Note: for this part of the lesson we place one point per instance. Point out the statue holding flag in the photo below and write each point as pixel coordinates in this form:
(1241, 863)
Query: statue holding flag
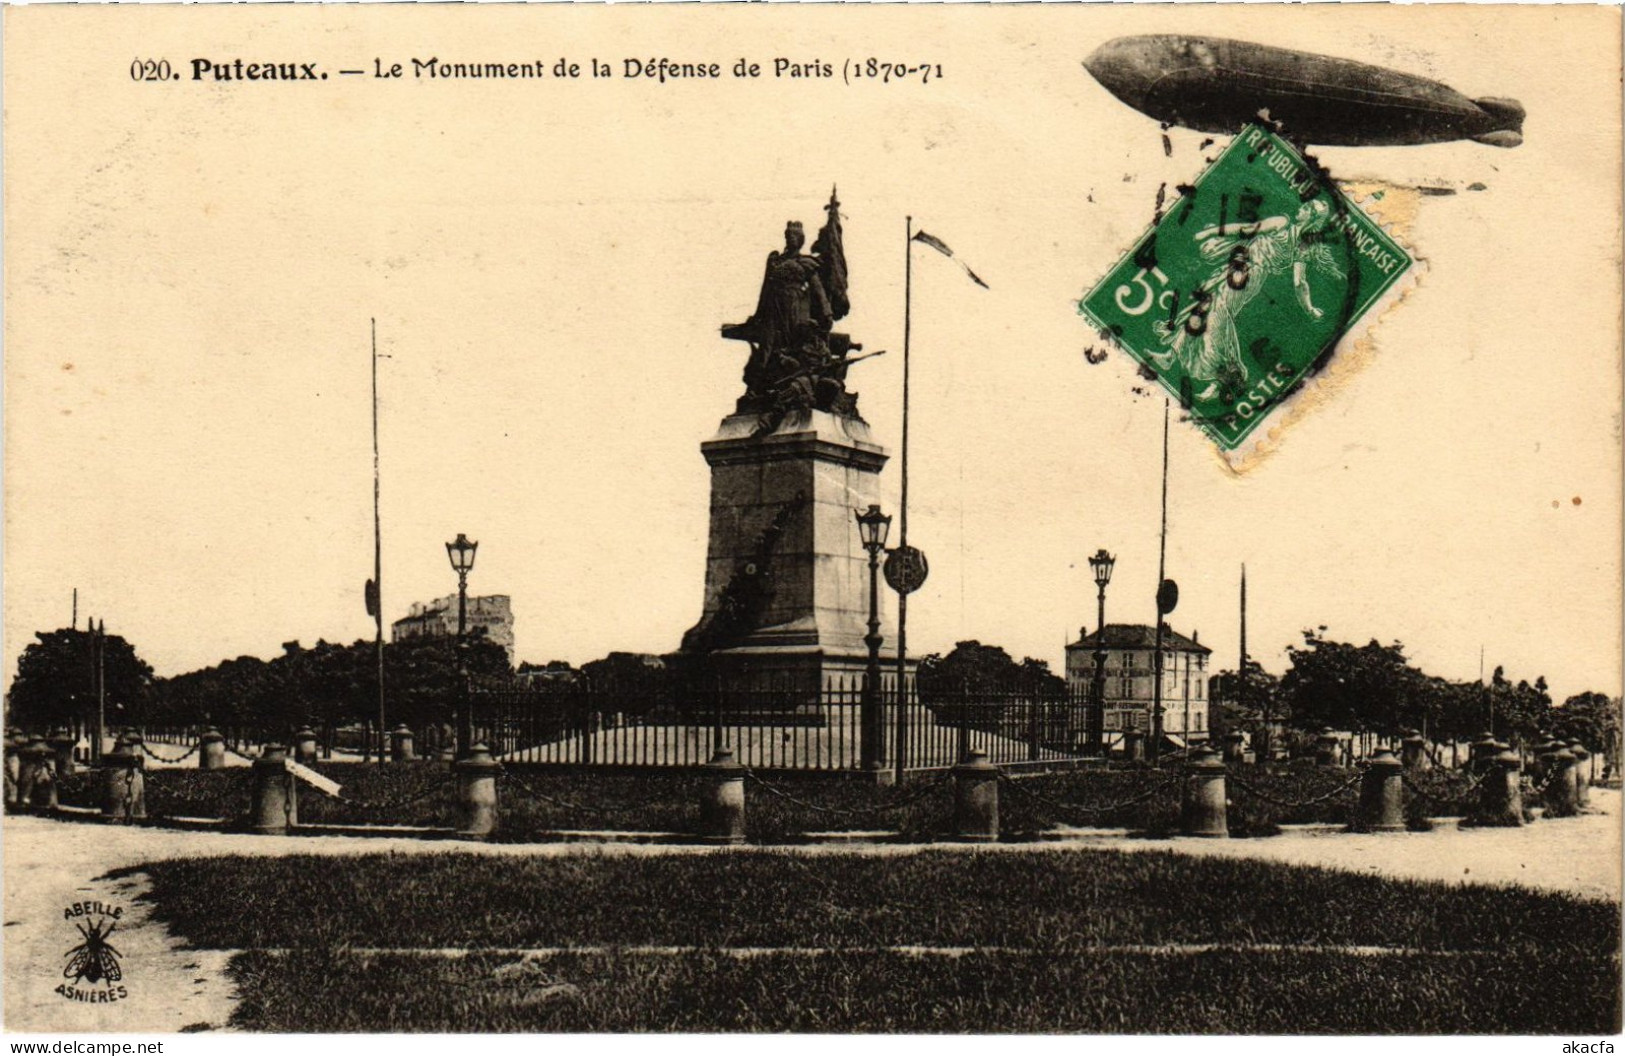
(796, 360)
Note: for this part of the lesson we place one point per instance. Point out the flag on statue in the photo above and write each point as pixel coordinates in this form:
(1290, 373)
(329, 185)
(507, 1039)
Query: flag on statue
(830, 250)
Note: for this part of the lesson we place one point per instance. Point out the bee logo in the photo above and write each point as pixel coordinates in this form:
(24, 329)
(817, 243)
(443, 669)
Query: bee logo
(95, 960)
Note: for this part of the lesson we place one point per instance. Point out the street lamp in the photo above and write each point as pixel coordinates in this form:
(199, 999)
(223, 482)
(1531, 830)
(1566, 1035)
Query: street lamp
(461, 552)
(1101, 563)
(873, 527)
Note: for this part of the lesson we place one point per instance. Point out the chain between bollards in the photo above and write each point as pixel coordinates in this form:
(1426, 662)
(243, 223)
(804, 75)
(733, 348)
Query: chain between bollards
(1310, 802)
(555, 801)
(1454, 799)
(1172, 779)
(167, 761)
(920, 793)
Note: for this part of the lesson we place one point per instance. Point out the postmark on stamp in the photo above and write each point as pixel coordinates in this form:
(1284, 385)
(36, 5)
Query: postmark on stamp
(1247, 285)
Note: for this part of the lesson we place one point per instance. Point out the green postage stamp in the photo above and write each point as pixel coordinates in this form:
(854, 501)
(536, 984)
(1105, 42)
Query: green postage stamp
(1247, 284)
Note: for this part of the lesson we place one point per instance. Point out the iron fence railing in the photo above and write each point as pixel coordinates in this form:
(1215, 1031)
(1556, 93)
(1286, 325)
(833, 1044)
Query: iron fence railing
(771, 725)
(782, 727)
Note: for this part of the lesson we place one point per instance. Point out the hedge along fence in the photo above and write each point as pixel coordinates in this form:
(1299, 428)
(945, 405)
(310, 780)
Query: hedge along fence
(534, 803)
(544, 803)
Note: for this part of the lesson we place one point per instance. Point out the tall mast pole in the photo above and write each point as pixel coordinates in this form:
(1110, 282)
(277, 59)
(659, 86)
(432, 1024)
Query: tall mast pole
(1162, 556)
(100, 647)
(96, 737)
(76, 611)
(1241, 668)
(902, 518)
(377, 555)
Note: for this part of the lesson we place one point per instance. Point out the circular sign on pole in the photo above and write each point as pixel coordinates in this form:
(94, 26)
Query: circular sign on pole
(905, 569)
(1167, 596)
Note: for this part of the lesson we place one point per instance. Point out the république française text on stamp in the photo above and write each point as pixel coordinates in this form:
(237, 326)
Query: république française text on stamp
(1247, 285)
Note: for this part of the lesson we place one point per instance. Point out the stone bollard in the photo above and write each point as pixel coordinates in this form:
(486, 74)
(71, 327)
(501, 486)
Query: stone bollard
(722, 800)
(1328, 750)
(476, 793)
(62, 744)
(1559, 796)
(211, 750)
(37, 784)
(14, 766)
(1232, 748)
(1582, 786)
(304, 746)
(1539, 757)
(1382, 803)
(1202, 811)
(1134, 746)
(1500, 797)
(1413, 751)
(401, 745)
(276, 797)
(976, 798)
(124, 787)
(30, 753)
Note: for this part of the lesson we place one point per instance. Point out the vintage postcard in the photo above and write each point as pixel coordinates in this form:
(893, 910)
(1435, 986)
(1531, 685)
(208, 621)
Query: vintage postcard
(705, 519)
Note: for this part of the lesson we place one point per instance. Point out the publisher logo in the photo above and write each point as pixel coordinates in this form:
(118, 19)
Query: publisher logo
(93, 973)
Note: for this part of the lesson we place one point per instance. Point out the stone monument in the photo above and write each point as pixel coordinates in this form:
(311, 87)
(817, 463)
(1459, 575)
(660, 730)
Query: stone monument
(786, 578)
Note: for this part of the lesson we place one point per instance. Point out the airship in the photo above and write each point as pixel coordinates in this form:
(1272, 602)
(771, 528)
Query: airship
(1215, 85)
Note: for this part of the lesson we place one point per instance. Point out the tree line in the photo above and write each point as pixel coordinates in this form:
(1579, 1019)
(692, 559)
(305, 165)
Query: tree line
(1368, 689)
(1374, 688)
(327, 684)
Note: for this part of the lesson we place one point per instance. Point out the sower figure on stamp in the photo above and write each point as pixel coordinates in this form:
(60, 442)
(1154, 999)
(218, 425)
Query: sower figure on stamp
(1201, 337)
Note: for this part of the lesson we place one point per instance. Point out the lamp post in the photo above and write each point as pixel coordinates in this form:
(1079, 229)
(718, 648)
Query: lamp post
(461, 553)
(1101, 563)
(873, 526)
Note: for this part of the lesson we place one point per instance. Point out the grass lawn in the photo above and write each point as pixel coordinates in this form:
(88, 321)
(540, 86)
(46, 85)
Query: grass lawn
(983, 993)
(1062, 940)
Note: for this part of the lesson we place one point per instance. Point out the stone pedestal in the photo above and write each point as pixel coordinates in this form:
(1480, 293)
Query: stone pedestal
(124, 788)
(722, 800)
(1382, 803)
(276, 803)
(211, 750)
(786, 578)
(62, 743)
(1204, 807)
(976, 799)
(477, 793)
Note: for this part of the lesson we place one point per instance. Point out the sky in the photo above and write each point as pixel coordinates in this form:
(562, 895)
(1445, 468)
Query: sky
(192, 270)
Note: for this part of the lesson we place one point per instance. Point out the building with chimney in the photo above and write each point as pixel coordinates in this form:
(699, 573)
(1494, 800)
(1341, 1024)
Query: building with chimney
(1130, 679)
(438, 619)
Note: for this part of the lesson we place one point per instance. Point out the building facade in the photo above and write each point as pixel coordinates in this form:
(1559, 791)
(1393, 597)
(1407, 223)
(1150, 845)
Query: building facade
(1131, 679)
(438, 619)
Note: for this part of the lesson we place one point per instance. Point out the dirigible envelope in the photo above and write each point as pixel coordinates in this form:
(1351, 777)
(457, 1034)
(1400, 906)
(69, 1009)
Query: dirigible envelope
(1214, 85)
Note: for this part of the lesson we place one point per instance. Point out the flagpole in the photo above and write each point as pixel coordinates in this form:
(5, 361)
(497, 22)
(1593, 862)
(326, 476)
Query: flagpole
(99, 651)
(1241, 687)
(377, 557)
(902, 518)
(1162, 556)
